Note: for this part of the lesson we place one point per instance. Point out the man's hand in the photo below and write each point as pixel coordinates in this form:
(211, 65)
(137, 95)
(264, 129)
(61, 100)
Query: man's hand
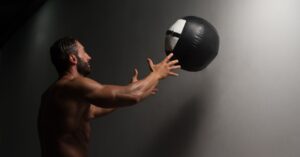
(135, 79)
(165, 67)
(96, 111)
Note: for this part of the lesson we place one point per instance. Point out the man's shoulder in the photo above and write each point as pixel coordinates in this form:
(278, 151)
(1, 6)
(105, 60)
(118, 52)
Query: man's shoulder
(79, 83)
(81, 80)
(60, 85)
(68, 82)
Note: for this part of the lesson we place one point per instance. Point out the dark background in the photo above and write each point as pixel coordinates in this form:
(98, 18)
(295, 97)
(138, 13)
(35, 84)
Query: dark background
(244, 104)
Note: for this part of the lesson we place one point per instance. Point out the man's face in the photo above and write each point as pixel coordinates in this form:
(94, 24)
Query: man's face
(83, 65)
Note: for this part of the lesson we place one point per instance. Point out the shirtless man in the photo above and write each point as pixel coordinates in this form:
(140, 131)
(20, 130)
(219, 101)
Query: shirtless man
(72, 101)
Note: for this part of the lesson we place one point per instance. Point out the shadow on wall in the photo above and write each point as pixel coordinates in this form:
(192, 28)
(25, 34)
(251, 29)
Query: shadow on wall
(178, 135)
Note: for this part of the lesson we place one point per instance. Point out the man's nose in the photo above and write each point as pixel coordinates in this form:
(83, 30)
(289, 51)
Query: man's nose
(89, 57)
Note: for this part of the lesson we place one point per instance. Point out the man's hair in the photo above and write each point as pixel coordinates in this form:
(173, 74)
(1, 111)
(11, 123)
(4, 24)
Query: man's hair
(60, 52)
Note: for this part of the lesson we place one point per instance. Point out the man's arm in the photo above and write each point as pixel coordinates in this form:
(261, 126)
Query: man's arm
(110, 96)
(95, 111)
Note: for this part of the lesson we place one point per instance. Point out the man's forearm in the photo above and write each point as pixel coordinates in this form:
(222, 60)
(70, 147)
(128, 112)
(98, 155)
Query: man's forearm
(144, 87)
(121, 96)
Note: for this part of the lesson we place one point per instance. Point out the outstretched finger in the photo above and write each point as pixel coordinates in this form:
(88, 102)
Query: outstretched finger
(173, 73)
(168, 57)
(154, 91)
(173, 62)
(175, 67)
(135, 76)
(136, 71)
(150, 63)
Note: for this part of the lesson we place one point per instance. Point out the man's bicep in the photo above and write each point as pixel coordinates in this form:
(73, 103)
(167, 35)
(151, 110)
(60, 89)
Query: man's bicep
(96, 93)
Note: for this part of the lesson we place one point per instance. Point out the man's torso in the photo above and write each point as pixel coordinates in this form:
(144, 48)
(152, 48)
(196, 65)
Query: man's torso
(63, 122)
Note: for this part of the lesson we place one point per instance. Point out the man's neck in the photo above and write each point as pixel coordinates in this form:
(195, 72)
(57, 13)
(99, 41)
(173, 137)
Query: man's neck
(71, 73)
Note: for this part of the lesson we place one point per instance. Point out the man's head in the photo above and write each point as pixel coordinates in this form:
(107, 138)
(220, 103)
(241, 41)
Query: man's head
(67, 52)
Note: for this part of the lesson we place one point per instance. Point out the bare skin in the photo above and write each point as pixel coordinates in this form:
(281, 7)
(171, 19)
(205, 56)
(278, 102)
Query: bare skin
(71, 102)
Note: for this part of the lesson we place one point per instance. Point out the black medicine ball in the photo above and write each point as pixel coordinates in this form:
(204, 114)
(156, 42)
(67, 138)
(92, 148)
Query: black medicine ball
(194, 42)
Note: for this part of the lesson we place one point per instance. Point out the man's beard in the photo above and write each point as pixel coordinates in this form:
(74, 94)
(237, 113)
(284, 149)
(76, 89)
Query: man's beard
(83, 68)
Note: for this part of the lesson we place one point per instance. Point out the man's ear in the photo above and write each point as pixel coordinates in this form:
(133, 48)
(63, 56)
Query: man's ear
(73, 59)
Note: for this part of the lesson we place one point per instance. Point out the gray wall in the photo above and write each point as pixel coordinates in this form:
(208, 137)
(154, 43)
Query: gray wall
(245, 104)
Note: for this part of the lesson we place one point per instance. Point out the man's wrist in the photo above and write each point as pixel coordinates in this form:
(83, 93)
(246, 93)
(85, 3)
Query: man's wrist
(156, 75)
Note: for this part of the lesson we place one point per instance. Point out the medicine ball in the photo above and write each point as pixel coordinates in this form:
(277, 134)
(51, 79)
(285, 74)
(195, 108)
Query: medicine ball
(194, 42)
